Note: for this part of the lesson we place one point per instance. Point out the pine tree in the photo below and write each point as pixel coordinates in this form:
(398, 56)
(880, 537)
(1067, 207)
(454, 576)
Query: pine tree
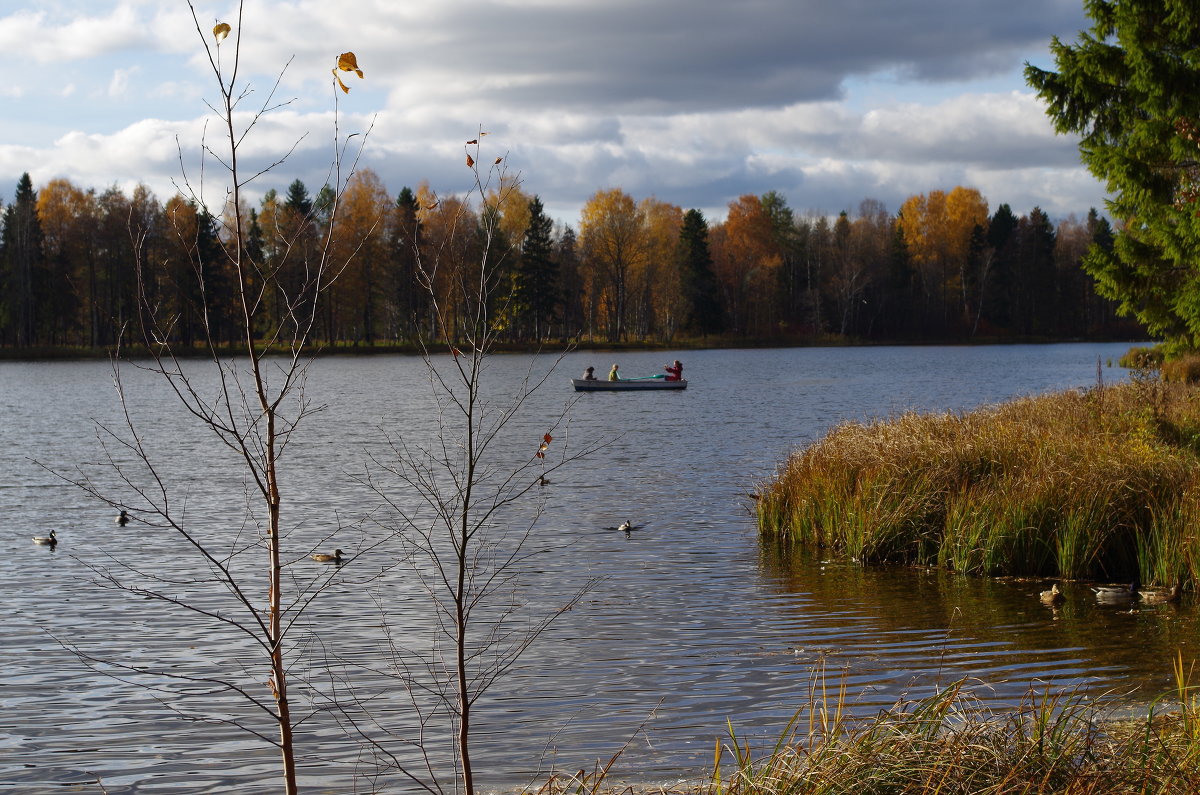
(699, 283)
(406, 231)
(22, 244)
(999, 305)
(536, 294)
(298, 199)
(1128, 87)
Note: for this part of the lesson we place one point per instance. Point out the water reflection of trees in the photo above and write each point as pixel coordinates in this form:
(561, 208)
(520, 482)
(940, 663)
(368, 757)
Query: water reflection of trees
(995, 629)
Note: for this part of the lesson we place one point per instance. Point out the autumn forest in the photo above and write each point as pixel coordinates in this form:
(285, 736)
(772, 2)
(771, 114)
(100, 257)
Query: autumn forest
(78, 267)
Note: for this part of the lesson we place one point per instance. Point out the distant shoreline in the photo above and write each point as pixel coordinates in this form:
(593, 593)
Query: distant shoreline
(68, 353)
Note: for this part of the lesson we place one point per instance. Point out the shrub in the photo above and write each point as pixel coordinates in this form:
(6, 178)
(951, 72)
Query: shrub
(1139, 358)
(1183, 369)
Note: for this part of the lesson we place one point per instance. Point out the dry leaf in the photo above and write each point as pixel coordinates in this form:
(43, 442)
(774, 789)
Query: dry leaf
(348, 63)
(541, 454)
(221, 31)
(470, 161)
(434, 205)
(345, 89)
(548, 438)
(472, 141)
(498, 159)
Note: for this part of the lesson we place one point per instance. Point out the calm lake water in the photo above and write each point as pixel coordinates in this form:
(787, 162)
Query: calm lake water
(690, 622)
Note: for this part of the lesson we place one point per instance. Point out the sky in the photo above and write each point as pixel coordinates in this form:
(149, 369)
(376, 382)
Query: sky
(692, 102)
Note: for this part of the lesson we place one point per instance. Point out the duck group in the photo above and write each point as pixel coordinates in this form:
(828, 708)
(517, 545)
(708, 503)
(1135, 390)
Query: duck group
(1120, 594)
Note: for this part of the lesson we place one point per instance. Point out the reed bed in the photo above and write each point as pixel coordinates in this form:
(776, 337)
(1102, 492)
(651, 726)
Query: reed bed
(1055, 742)
(951, 744)
(1102, 484)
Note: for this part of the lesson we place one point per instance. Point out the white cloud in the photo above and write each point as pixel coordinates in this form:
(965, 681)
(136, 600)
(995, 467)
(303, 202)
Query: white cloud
(42, 37)
(119, 84)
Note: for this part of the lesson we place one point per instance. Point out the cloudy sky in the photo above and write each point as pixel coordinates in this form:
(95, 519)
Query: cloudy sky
(694, 102)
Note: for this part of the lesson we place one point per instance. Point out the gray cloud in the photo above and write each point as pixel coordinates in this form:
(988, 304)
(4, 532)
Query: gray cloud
(692, 101)
(688, 55)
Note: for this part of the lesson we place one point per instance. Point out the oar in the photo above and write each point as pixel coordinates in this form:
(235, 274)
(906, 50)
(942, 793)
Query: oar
(644, 378)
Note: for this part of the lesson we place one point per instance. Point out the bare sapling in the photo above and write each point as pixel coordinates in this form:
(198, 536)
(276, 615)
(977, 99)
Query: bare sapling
(465, 498)
(233, 572)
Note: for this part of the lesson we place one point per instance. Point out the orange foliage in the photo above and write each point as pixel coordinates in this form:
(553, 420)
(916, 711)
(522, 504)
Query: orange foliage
(746, 261)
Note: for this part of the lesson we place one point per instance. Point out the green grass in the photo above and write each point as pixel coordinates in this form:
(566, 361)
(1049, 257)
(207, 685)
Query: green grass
(1097, 485)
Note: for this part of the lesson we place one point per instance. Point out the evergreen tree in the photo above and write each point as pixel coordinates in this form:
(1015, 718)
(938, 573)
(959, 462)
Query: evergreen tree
(899, 320)
(22, 241)
(1128, 87)
(787, 240)
(570, 282)
(536, 293)
(998, 308)
(699, 282)
(298, 199)
(1035, 299)
(406, 290)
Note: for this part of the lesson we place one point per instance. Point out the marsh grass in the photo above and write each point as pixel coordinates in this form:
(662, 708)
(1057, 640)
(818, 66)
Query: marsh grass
(950, 743)
(1103, 484)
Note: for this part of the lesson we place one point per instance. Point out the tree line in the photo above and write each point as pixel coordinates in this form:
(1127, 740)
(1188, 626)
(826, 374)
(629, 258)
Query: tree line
(73, 263)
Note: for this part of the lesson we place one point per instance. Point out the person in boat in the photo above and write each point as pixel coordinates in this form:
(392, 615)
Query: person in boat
(589, 374)
(674, 371)
(613, 375)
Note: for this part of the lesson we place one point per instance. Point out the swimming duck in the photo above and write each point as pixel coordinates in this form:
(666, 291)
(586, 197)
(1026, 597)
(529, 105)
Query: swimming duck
(1163, 597)
(122, 519)
(46, 541)
(1118, 595)
(1053, 596)
(324, 557)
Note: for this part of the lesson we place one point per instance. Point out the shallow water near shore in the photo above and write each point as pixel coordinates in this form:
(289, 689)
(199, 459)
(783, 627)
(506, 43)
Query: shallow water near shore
(690, 621)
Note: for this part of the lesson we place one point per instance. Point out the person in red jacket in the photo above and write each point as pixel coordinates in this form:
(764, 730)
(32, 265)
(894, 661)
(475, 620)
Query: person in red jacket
(674, 371)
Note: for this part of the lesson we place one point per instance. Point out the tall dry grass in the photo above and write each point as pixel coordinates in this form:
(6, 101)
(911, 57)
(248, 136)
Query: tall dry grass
(951, 744)
(1103, 484)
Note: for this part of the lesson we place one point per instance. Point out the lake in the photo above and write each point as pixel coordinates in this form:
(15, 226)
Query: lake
(689, 622)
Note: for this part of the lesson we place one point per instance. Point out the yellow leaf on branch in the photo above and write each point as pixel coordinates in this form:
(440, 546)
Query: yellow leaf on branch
(348, 63)
(221, 31)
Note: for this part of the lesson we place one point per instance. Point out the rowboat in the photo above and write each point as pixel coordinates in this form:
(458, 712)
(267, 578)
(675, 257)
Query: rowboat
(627, 384)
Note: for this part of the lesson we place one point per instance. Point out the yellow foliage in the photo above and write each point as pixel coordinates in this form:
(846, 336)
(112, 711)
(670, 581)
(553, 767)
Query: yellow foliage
(346, 62)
